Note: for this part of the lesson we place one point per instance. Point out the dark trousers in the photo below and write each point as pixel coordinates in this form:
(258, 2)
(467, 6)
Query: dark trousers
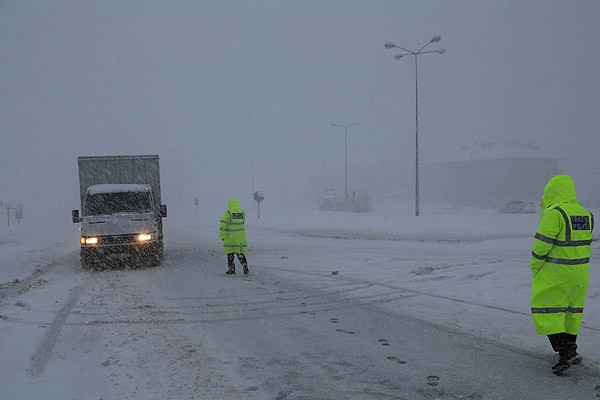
(241, 257)
(563, 343)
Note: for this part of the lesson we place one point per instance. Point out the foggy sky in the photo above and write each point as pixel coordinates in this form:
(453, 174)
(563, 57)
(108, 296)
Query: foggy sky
(212, 82)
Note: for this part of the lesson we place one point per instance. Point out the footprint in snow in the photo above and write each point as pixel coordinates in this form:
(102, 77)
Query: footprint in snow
(396, 359)
(345, 331)
(433, 380)
(334, 320)
(384, 342)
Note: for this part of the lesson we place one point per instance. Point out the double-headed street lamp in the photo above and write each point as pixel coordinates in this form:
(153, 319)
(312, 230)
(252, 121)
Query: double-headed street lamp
(345, 158)
(389, 45)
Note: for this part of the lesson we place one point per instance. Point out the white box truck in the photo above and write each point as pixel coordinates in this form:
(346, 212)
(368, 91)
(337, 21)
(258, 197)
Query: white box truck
(121, 212)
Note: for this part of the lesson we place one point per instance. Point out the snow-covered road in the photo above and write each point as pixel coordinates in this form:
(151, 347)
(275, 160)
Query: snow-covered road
(322, 317)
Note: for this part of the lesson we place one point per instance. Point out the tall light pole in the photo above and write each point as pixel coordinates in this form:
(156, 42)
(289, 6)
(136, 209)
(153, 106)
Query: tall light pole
(389, 45)
(345, 158)
(179, 163)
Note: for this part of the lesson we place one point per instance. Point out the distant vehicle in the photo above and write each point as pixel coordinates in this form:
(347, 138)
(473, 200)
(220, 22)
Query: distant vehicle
(518, 207)
(328, 201)
(121, 210)
(355, 201)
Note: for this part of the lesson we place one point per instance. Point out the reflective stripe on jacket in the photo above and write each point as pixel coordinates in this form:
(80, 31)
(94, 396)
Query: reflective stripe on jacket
(232, 230)
(560, 259)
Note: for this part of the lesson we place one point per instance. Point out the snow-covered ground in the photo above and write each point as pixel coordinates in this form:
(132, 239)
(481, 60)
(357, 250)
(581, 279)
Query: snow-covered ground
(337, 306)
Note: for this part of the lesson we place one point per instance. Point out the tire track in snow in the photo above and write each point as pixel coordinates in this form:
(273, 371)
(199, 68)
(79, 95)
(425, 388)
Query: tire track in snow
(40, 358)
(426, 294)
(187, 303)
(220, 315)
(18, 287)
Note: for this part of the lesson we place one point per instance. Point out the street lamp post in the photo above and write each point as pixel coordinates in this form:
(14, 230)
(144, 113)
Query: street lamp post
(345, 158)
(389, 45)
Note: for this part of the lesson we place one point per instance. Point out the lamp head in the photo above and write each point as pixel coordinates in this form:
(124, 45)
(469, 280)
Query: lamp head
(436, 39)
(389, 45)
(398, 57)
(441, 51)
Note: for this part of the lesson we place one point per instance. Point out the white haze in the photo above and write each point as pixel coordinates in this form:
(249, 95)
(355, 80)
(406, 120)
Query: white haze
(210, 83)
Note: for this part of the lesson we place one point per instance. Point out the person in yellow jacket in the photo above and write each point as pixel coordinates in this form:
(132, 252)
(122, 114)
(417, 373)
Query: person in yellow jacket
(559, 263)
(233, 234)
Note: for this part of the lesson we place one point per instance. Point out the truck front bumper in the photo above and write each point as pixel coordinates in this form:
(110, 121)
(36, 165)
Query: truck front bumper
(120, 247)
(122, 251)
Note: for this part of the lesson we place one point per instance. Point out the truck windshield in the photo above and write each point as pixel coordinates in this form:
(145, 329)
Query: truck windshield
(117, 202)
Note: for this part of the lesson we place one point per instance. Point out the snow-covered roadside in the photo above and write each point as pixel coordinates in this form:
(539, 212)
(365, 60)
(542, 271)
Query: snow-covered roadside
(28, 247)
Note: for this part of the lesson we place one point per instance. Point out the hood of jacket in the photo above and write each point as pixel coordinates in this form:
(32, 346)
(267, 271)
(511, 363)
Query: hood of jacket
(560, 189)
(234, 204)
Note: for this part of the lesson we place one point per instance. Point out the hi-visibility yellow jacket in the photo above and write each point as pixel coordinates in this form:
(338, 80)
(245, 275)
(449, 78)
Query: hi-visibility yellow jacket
(232, 230)
(560, 259)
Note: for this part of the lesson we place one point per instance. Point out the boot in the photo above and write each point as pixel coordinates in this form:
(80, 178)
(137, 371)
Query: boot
(230, 271)
(246, 270)
(566, 361)
(575, 359)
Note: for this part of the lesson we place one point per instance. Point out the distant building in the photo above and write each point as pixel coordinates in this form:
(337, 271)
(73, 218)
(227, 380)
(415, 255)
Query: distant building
(490, 174)
(488, 183)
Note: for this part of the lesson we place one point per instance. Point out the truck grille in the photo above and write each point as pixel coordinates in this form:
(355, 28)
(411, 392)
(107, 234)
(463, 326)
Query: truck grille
(118, 239)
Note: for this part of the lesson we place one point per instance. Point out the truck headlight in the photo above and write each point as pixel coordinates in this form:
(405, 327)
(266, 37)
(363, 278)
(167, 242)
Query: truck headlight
(145, 237)
(89, 240)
